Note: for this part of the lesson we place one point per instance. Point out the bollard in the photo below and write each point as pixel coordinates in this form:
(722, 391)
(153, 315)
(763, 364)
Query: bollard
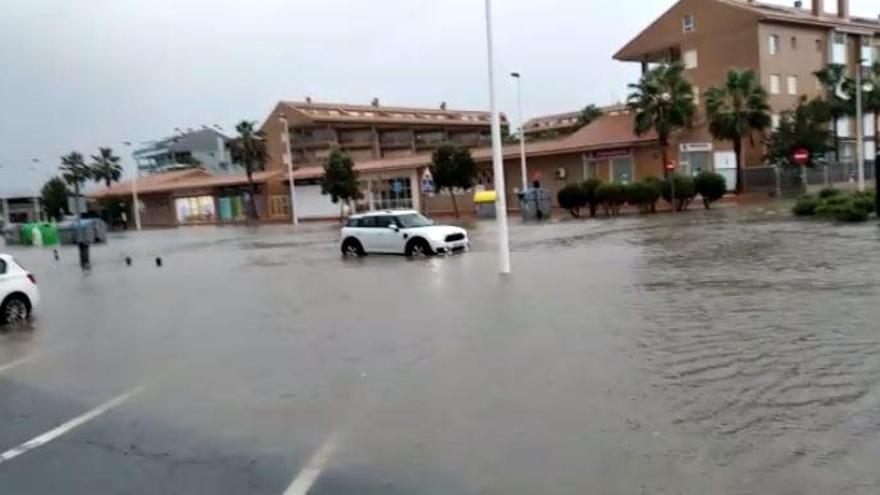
(84, 261)
(158, 261)
(55, 253)
(128, 260)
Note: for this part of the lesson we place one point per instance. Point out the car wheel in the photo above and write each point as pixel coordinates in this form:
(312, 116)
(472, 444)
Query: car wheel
(418, 248)
(352, 248)
(15, 309)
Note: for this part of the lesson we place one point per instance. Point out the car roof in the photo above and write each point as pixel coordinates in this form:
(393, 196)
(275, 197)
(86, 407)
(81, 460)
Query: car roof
(381, 213)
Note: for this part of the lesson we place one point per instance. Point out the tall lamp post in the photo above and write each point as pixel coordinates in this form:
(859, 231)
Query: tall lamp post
(135, 202)
(860, 122)
(497, 158)
(288, 162)
(522, 132)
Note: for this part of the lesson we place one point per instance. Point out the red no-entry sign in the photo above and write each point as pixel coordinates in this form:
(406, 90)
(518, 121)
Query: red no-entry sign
(801, 156)
(670, 166)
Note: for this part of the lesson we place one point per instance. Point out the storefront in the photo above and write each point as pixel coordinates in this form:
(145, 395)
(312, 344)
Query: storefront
(613, 165)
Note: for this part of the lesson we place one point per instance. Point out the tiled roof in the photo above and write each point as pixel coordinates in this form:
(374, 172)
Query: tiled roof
(563, 120)
(803, 15)
(343, 112)
(180, 180)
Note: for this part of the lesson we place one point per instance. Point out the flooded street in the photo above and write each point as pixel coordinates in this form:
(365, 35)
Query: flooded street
(735, 351)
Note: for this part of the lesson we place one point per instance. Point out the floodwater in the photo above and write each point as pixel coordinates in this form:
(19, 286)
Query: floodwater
(735, 351)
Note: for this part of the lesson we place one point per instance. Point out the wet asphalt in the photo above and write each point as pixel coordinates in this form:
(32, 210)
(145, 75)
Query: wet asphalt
(726, 352)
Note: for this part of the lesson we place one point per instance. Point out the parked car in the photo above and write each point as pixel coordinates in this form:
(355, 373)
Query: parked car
(400, 232)
(19, 295)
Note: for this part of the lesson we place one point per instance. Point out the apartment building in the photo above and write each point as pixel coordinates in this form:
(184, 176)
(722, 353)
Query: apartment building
(783, 45)
(560, 124)
(204, 147)
(366, 133)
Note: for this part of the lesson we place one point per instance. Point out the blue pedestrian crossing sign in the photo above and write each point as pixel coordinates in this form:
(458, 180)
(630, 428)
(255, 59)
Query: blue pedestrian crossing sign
(427, 182)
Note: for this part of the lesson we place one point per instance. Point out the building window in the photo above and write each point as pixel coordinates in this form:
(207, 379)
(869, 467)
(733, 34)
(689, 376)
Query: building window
(838, 52)
(775, 84)
(687, 23)
(393, 193)
(792, 85)
(690, 59)
(867, 52)
(843, 127)
(775, 120)
(622, 170)
(868, 125)
(773, 44)
(279, 206)
(794, 42)
(696, 91)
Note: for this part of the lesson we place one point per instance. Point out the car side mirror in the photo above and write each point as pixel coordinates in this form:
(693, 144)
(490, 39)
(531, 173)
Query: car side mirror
(394, 227)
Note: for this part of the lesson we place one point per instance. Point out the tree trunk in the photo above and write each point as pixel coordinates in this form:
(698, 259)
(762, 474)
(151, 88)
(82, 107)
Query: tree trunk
(665, 160)
(454, 203)
(341, 211)
(836, 143)
(252, 196)
(737, 150)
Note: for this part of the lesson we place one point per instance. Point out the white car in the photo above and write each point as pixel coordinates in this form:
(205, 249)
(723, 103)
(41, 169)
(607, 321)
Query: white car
(19, 295)
(400, 232)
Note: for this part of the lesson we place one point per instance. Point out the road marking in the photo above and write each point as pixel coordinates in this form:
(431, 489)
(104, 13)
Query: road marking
(310, 473)
(56, 432)
(18, 362)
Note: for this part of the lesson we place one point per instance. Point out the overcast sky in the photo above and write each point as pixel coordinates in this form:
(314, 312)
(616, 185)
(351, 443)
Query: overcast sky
(78, 74)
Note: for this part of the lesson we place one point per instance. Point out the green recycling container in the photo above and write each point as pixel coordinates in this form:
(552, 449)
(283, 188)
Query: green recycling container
(48, 233)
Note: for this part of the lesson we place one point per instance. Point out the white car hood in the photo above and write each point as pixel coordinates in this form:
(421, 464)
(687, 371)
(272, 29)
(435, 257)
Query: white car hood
(438, 232)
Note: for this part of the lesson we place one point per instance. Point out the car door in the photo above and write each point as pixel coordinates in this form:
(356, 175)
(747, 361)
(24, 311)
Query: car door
(366, 233)
(385, 236)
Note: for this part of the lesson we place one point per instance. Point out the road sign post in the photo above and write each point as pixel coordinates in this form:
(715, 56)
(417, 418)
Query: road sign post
(670, 168)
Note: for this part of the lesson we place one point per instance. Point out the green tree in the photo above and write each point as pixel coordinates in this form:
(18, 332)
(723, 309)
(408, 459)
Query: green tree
(710, 186)
(836, 83)
(663, 102)
(454, 168)
(54, 195)
(805, 127)
(75, 172)
(340, 180)
(588, 115)
(872, 103)
(249, 149)
(572, 197)
(590, 186)
(736, 110)
(105, 167)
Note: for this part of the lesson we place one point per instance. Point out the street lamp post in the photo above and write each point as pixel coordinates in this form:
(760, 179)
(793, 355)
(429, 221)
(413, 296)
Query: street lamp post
(522, 131)
(497, 158)
(135, 202)
(860, 133)
(288, 161)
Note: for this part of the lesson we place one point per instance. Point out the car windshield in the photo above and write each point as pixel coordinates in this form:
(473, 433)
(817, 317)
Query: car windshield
(412, 220)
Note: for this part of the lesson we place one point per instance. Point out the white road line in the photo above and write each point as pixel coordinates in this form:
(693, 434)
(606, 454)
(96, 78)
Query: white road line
(310, 473)
(18, 362)
(68, 426)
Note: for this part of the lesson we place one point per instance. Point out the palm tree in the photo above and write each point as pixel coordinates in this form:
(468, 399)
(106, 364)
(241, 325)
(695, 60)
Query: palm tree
(835, 80)
(249, 149)
(588, 115)
(105, 167)
(663, 101)
(736, 110)
(75, 172)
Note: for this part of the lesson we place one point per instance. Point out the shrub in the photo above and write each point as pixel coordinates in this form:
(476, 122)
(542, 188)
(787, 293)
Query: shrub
(572, 197)
(828, 192)
(643, 194)
(590, 186)
(684, 191)
(865, 200)
(710, 186)
(806, 206)
(657, 184)
(611, 196)
(846, 211)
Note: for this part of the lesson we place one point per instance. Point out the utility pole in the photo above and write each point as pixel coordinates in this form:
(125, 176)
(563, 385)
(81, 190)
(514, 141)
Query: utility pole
(522, 132)
(135, 203)
(288, 161)
(497, 158)
(860, 122)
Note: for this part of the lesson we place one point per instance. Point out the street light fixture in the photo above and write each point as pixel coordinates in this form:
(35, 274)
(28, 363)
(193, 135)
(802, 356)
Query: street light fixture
(497, 158)
(522, 132)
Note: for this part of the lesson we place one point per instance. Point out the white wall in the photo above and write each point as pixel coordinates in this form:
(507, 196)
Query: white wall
(310, 203)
